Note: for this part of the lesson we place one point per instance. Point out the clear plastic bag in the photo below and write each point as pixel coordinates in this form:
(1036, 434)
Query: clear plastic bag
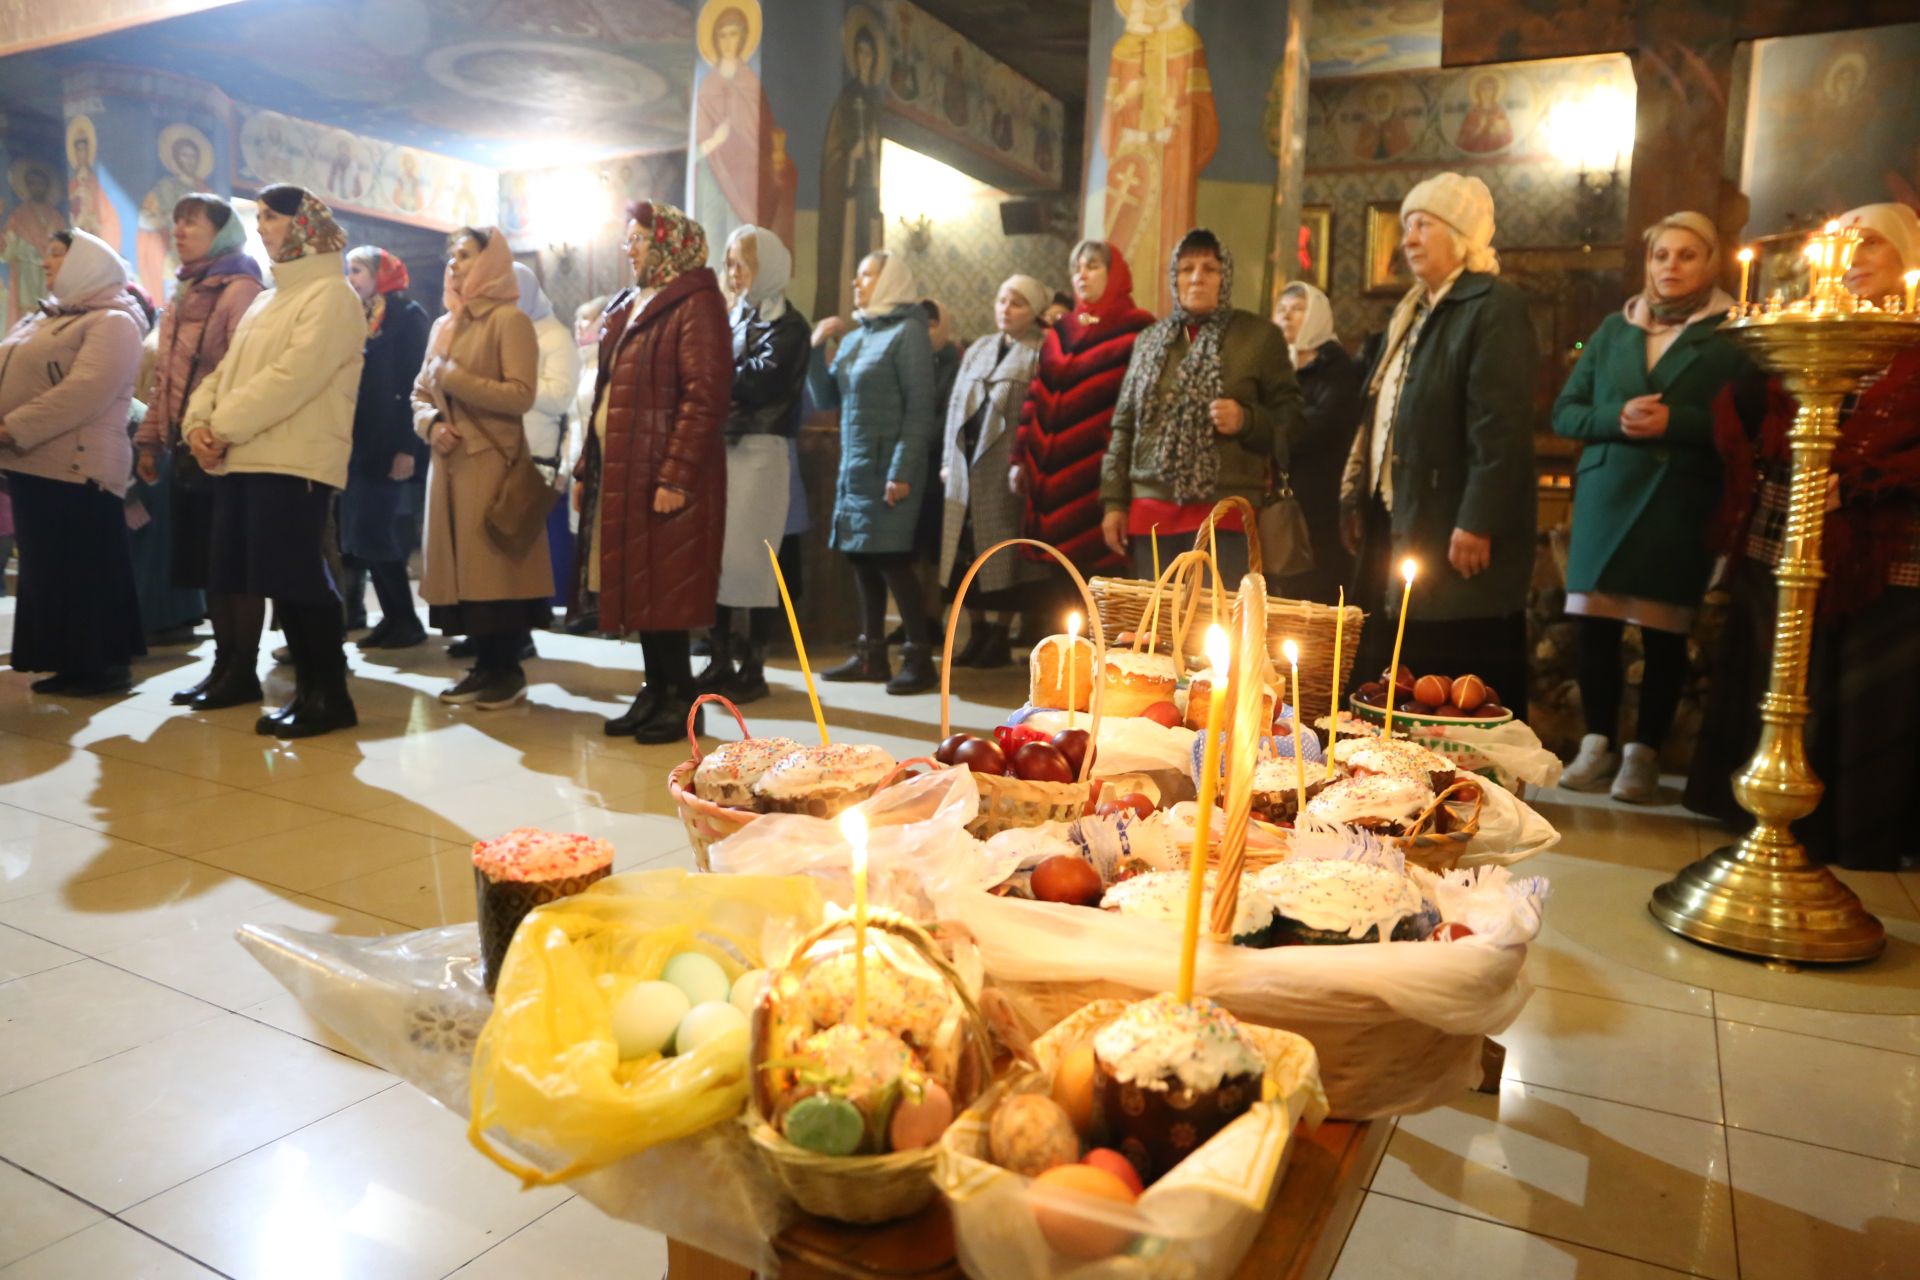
(1199, 1220)
(1513, 752)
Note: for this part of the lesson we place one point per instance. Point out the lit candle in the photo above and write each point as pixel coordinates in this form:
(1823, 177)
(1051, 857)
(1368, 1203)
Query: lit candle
(1407, 570)
(799, 645)
(853, 824)
(1746, 266)
(1155, 532)
(1074, 623)
(1292, 651)
(1913, 286)
(1333, 724)
(1218, 655)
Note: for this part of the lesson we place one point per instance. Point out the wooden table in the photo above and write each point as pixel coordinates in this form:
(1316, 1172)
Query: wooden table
(1316, 1203)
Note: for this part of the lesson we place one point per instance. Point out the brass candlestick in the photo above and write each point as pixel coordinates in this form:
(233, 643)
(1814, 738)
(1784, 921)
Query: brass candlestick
(1762, 896)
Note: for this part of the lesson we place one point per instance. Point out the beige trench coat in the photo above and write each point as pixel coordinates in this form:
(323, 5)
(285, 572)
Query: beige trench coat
(487, 388)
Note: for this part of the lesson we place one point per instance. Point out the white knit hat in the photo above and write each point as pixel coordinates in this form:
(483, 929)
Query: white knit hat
(1464, 204)
(1898, 223)
(1036, 294)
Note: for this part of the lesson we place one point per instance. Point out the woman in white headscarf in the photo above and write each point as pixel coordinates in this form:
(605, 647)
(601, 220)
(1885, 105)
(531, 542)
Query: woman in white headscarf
(66, 380)
(1317, 449)
(881, 380)
(770, 351)
(546, 422)
(983, 506)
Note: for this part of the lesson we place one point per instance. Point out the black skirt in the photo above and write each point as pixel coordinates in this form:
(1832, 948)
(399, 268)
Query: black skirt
(376, 524)
(192, 492)
(78, 612)
(1862, 735)
(269, 534)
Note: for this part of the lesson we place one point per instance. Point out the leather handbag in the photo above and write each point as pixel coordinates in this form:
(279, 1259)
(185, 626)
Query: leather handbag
(1285, 545)
(521, 505)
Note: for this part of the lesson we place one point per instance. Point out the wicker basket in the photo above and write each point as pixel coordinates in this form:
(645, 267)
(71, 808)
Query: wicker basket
(860, 1188)
(1008, 802)
(1124, 606)
(1434, 850)
(706, 822)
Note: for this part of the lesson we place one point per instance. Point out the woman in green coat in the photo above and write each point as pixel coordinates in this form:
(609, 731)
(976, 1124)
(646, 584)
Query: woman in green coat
(1641, 403)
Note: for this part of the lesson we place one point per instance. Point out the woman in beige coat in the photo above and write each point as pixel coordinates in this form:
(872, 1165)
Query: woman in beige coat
(469, 402)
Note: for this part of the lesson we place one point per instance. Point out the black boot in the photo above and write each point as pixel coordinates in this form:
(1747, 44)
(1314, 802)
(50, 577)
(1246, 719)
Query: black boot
(719, 671)
(323, 703)
(668, 723)
(222, 653)
(867, 665)
(977, 630)
(996, 650)
(237, 686)
(917, 671)
(645, 703)
(749, 682)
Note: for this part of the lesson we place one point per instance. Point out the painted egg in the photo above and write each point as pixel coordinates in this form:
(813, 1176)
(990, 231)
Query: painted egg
(920, 1124)
(828, 1125)
(701, 977)
(747, 989)
(1074, 1088)
(706, 1022)
(645, 1019)
(1031, 1134)
(1117, 1165)
(1055, 1197)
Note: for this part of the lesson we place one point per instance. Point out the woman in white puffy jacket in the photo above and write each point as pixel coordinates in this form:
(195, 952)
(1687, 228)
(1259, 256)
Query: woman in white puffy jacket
(276, 419)
(549, 421)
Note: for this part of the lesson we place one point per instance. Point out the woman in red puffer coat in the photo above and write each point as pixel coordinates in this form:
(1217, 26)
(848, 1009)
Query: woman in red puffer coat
(655, 501)
(1069, 410)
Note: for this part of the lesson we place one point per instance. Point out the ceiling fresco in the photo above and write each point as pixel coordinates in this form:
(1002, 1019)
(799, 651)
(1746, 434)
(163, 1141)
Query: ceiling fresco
(497, 82)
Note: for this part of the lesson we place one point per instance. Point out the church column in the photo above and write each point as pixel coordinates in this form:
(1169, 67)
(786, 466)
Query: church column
(136, 141)
(1682, 71)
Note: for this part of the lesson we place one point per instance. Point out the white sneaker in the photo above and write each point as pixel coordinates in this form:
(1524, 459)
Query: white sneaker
(1639, 776)
(1590, 769)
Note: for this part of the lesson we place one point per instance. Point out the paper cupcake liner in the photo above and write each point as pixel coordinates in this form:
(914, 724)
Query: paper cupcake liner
(503, 904)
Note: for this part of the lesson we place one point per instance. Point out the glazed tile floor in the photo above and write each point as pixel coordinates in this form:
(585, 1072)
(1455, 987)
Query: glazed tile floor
(165, 1111)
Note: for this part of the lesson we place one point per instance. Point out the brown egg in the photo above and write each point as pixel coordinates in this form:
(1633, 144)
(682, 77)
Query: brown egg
(1489, 711)
(1448, 709)
(1074, 1088)
(1041, 762)
(1066, 877)
(1469, 691)
(1083, 1237)
(1031, 1134)
(1431, 691)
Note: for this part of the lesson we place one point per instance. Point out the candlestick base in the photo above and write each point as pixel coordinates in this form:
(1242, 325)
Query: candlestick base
(1759, 903)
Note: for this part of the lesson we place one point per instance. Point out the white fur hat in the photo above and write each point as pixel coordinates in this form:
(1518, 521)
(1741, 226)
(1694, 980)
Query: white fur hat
(1464, 204)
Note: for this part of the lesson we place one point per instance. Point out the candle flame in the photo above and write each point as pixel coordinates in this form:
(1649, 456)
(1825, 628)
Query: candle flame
(1219, 653)
(1745, 255)
(1408, 569)
(1833, 227)
(1074, 623)
(1912, 278)
(853, 825)
(1292, 651)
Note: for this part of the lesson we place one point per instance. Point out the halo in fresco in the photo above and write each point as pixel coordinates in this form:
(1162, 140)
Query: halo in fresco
(1485, 113)
(710, 19)
(175, 134)
(17, 177)
(860, 18)
(1379, 120)
(77, 128)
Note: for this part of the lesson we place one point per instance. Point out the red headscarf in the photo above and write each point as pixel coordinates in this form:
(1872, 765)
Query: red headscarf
(1115, 304)
(389, 276)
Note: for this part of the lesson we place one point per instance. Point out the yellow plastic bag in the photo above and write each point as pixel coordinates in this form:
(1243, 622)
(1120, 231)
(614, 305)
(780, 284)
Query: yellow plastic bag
(547, 1076)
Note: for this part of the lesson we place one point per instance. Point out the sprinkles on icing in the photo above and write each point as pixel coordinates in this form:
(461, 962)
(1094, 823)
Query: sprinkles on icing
(528, 853)
(1160, 1041)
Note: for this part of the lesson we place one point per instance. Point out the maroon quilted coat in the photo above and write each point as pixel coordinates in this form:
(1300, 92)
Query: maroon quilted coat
(1068, 416)
(667, 380)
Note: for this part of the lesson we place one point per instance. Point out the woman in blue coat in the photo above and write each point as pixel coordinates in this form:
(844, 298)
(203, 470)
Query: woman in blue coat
(881, 380)
(1641, 403)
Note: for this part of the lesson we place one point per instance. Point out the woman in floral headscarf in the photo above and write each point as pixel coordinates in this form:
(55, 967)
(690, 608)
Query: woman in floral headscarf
(376, 528)
(655, 465)
(276, 419)
(469, 404)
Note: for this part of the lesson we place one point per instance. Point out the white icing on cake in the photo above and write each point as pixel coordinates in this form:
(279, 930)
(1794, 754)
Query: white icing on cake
(1159, 1041)
(1338, 896)
(818, 769)
(1379, 797)
(530, 854)
(1390, 755)
(1279, 774)
(1162, 895)
(730, 771)
(1128, 665)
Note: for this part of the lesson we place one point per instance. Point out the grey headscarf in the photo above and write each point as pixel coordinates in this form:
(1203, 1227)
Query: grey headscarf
(1179, 421)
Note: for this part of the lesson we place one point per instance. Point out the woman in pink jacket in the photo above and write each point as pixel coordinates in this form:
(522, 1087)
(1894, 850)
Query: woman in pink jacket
(218, 281)
(66, 381)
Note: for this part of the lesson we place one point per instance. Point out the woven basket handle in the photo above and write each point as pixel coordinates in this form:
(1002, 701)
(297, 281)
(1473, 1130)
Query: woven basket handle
(1183, 573)
(693, 718)
(1249, 665)
(1095, 632)
(980, 1035)
(1249, 526)
(1426, 816)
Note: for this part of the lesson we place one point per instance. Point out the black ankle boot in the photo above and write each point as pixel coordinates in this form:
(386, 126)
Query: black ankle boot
(645, 703)
(320, 702)
(668, 723)
(719, 669)
(917, 671)
(976, 641)
(237, 686)
(868, 663)
(184, 697)
(749, 683)
(996, 650)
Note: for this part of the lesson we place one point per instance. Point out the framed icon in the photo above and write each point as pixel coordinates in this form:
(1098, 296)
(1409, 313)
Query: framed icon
(1316, 246)
(1387, 271)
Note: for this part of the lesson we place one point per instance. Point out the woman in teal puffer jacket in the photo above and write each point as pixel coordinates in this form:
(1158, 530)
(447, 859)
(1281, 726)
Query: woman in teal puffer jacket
(881, 381)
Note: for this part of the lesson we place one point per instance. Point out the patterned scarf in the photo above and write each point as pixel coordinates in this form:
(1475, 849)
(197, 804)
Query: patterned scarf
(313, 231)
(1178, 421)
(681, 245)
